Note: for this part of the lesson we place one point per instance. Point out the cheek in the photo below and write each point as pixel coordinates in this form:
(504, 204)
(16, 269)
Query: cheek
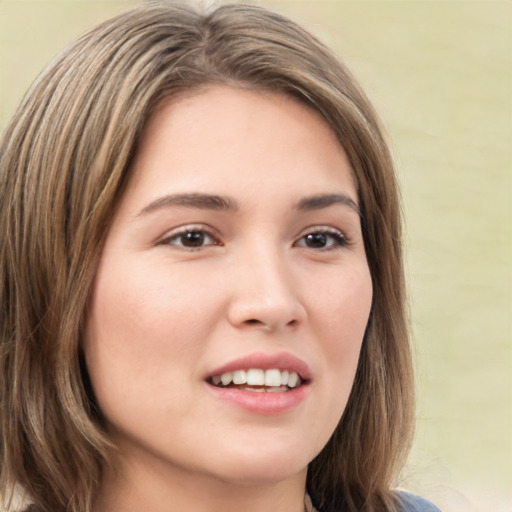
(144, 327)
(343, 315)
(343, 307)
(142, 310)
(125, 335)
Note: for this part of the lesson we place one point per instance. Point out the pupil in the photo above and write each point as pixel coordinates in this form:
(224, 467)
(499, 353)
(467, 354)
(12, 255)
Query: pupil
(193, 239)
(316, 240)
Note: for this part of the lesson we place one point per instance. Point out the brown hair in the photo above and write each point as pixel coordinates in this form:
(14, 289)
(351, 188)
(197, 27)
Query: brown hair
(64, 162)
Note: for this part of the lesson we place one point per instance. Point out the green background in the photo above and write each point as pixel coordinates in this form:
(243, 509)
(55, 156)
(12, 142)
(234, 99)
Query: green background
(440, 73)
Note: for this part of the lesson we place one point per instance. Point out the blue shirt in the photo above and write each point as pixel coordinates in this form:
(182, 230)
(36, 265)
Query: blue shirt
(409, 503)
(412, 503)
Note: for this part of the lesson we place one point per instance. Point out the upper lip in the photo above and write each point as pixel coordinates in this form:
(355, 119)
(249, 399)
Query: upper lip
(279, 361)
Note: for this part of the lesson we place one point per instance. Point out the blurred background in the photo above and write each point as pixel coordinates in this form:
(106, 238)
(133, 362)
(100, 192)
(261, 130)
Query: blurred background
(440, 74)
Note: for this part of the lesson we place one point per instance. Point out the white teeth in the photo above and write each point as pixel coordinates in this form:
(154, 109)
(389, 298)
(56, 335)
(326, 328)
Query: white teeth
(273, 379)
(293, 378)
(239, 377)
(255, 377)
(226, 378)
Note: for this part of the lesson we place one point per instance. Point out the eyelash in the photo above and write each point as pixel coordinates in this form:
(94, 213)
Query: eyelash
(200, 230)
(338, 239)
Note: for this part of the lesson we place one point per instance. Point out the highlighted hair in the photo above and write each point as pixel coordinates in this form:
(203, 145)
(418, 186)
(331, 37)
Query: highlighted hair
(64, 162)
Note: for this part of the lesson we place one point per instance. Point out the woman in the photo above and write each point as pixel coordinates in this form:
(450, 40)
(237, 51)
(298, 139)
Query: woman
(202, 302)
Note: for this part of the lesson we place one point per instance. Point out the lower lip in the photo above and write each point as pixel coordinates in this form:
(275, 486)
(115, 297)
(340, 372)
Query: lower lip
(261, 402)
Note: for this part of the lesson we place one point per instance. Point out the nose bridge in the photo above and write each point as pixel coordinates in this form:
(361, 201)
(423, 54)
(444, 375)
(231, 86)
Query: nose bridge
(265, 294)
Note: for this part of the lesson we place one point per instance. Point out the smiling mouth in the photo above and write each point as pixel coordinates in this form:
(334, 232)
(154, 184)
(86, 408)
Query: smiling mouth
(258, 380)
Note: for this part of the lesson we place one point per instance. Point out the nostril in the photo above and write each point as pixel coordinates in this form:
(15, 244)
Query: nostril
(256, 322)
(253, 321)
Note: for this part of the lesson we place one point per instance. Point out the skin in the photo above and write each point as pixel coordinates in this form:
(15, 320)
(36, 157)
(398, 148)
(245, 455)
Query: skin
(162, 316)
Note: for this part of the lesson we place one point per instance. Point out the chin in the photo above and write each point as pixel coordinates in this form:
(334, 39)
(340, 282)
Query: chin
(269, 474)
(263, 467)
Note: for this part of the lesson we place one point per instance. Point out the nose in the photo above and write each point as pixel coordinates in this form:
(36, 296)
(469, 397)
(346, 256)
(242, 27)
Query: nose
(265, 295)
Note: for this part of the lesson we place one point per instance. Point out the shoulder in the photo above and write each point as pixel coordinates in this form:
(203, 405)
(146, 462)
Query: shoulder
(412, 503)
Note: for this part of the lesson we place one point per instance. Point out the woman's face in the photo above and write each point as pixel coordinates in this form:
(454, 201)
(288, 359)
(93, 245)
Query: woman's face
(236, 253)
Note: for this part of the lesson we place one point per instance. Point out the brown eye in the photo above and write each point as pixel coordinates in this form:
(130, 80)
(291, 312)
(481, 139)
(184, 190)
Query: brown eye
(316, 240)
(322, 240)
(190, 239)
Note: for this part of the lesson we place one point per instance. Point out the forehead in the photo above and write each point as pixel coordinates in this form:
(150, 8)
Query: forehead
(239, 140)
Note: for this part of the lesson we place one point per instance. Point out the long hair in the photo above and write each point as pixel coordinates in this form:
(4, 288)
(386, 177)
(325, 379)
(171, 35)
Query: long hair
(64, 163)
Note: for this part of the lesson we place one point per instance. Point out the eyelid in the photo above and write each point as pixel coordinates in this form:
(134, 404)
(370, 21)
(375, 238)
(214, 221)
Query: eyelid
(187, 228)
(342, 239)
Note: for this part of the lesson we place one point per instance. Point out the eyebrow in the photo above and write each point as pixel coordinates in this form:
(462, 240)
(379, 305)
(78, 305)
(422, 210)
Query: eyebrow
(320, 201)
(192, 200)
(223, 203)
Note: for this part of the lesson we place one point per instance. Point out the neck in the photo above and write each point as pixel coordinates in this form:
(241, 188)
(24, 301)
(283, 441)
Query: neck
(131, 487)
